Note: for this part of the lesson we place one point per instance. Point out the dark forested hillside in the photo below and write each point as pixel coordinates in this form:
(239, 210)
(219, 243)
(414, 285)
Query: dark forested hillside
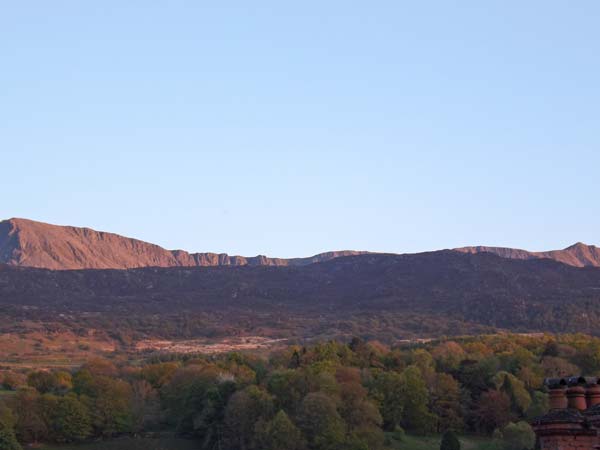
(472, 289)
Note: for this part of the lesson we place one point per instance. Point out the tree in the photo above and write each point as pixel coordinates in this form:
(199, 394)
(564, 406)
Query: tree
(450, 441)
(558, 367)
(42, 381)
(280, 433)
(446, 403)
(321, 423)
(8, 440)
(387, 389)
(244, 410)
(63, 381)
(361, 415)
(100, 366)
(159, 374)
(492, 411)
(422, 359)
(107, 399)
(518, 436)
(144, 404)
(515, 389)
(532, 377)
(415, 397)
(539, 405)
(10, 381)
(30, 425)
(71, 420)
(448, 355)
(288, 387)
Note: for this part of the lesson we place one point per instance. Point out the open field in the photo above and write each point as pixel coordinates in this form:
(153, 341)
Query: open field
(433, 443)
(409, 443)
(132, 444)
(32, 347)
(207, 347)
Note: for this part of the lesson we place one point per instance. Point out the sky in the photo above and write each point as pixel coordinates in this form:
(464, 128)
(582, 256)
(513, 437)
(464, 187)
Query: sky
(292, 128)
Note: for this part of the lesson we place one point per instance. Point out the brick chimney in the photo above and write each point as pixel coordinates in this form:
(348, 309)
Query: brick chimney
(573, 422)
(592, 395)
(558, 398)
(576, 398)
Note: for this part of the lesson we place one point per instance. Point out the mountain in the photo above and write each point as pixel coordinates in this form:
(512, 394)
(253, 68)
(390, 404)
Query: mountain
(35, 244)
(28, 243)
(379, 295)
(578, 255)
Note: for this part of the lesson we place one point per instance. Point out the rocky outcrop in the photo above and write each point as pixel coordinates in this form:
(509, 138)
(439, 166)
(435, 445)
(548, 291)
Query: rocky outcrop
(577, 255)
(35, 244)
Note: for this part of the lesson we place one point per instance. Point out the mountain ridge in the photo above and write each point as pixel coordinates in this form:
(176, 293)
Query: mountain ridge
(577, 255)
(28, 243)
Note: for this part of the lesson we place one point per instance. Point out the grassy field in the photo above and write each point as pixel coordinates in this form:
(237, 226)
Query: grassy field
(408, 443)
(132, 444)
(433, 443)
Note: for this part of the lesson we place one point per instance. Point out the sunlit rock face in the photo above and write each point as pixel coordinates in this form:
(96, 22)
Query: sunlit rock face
(28, 243)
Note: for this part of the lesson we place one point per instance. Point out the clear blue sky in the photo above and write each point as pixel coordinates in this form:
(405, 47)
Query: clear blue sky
(290, 128)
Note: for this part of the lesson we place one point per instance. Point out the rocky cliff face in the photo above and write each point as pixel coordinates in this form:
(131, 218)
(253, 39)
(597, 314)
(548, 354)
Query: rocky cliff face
(578, 255)
(35, 244)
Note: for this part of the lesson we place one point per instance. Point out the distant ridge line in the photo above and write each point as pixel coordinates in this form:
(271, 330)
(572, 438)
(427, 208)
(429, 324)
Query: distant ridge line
(577, 255)
(28, 243)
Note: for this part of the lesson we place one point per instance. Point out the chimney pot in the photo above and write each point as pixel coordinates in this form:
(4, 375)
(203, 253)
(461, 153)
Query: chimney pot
(576, 398)
(558, 398)
(592, 395)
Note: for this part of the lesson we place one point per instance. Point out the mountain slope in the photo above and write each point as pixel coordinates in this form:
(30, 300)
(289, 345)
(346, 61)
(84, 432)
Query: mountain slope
(478, 289)
(35, 244)
(28, 243)
(577, 255)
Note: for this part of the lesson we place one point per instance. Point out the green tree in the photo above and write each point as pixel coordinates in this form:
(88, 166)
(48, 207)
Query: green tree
(280, 433)
(415, 398)
(539, 405)
(515, 389)
(245, 409)
(320, 422)
(450, 441)
(109, 401)
(387, 389)
(518, 436)
(71, 420)
(8, 440)
(288, 387)
(209, 419)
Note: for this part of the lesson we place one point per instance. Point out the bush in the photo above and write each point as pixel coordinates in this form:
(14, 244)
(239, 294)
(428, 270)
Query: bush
(518, 436)
(450, 441)
(399, 434)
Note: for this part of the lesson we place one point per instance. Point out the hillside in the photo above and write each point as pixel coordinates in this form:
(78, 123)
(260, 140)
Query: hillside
(445, 292)
(28, 243)
(35, 244)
